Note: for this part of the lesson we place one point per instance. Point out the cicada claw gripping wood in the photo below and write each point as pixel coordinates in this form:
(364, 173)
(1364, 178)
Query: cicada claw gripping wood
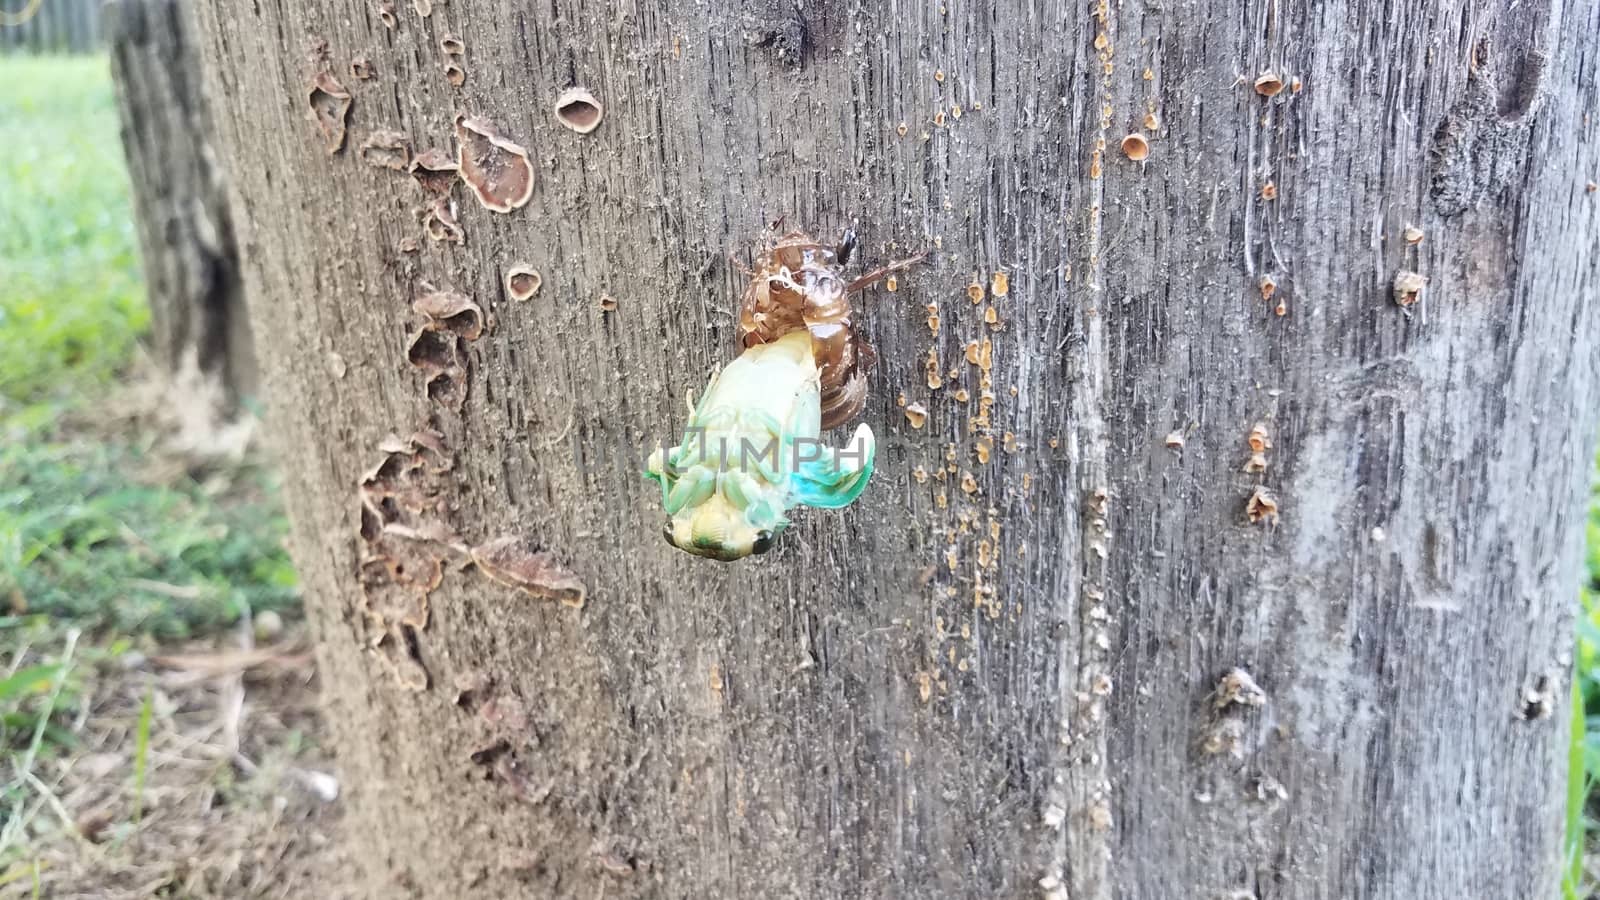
(753, 446)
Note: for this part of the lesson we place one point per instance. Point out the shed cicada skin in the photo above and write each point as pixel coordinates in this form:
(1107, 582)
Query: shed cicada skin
(753, 447)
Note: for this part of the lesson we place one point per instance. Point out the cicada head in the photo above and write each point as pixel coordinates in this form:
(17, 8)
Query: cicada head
(724, 518)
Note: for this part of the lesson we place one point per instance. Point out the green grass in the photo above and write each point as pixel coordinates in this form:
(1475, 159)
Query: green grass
(1583, 758)
(71, 301)
(97, 526)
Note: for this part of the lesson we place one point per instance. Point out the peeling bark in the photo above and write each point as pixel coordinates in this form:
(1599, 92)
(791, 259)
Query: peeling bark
(1137, 646)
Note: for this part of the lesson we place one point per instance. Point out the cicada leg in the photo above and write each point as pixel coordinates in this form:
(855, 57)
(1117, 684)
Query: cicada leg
(693, 489)
(839, 477)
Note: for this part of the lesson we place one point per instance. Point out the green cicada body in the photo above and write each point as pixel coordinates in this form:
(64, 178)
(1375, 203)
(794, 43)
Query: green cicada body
(753, 447)
(752, 451)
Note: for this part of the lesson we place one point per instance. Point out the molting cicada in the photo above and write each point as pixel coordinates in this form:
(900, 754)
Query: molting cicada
(753, 446)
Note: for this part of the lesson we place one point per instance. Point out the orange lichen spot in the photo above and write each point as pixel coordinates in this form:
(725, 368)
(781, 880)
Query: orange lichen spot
(924, 686)
(938, 75)
(495, 167)
(1282, 309)
(955, 111)
(920, 474)
(1152, 122)
(1268, 285)
(1295, 84)
(1258, 439)
(1094, 165)
(1256, 463)
(891, 284)
(916, 414)
(935, 377)
(983, 448)
(938, 119)
(512, 561)
(361, 68)
(1054, 442)
(961, 395)
(1174, 440)
(975, 290)
(522, 281)
(1135, 147)
(972, 352)
(901, 129)
(933, 319)
(1269, 191)
(1009, 443)
(1408, 287)
(1268, 84)
(986, 356)
(579, 110)
(450, 45)
(329, 104)
(1000, 283)
(387, 149)
(1262, 507)
(1238, 687)
(608, 303)
(1149, 75)
(968, 483)
(1101, 41)
(1412, 235)
(434, 171)
(990, 316)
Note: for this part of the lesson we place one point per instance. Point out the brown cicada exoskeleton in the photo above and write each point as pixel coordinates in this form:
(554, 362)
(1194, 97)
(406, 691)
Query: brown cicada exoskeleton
(797, 284)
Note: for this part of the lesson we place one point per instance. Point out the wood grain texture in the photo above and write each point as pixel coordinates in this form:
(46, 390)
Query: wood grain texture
(944, 693)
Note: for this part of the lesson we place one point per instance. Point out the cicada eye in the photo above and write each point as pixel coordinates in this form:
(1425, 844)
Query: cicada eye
(763, 542)
(666, 532)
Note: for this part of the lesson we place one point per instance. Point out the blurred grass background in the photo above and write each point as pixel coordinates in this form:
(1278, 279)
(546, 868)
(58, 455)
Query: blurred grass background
(97, 525)
(103, 533)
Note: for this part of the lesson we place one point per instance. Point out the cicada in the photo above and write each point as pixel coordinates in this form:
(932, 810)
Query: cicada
(753, 446)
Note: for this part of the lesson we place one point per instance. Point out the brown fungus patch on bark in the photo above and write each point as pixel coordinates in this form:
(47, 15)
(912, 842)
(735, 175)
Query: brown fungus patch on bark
(439, 221)
(1238, 688)
(434, 171)
(455, 75)
(579, 110)
(511, 561)
(1262, 507)
(450, 45)
(387, 150)
(1408, 287)
(442, 357)
(523, 281)
(406, 539)
(451, 311)
(495, 167)
(329, 103)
